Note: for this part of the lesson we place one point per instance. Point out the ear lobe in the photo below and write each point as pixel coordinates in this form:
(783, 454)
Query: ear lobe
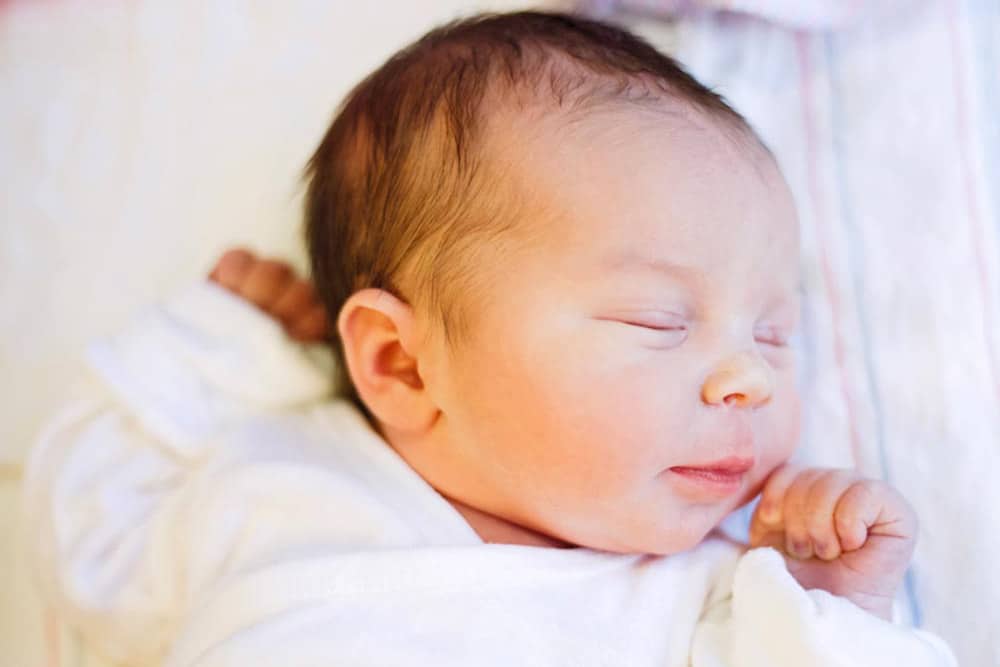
(377, 330)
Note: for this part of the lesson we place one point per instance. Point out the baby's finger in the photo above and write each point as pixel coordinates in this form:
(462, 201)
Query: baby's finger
(769, 509)
(310, 328)
(232, 268)
(266, 281)
(797, 542)
(773, 539)
(297, 299)
(819, 511)
(759, 530)
(857, 509)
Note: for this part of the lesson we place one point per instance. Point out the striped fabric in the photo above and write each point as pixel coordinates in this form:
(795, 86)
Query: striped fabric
(888, 129)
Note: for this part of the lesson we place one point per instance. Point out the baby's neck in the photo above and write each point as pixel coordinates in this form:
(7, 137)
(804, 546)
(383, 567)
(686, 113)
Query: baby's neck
(492, 529)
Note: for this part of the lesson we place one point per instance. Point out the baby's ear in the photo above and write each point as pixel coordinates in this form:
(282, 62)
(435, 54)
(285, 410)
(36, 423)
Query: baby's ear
(377, 330)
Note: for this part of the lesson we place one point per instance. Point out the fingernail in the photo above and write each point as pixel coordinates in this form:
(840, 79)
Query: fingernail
(768, 513)
(800, 550)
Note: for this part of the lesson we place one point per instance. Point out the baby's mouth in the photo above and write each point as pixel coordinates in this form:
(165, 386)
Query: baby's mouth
(717, 478)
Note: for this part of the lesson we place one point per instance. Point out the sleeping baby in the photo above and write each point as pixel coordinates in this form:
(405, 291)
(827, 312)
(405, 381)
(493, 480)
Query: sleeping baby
(562, 279)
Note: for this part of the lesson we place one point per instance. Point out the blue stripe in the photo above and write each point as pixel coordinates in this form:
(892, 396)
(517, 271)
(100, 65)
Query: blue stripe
(984, 30)
(856, 257)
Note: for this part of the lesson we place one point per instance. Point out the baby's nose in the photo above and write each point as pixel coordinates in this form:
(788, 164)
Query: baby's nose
(743, 380)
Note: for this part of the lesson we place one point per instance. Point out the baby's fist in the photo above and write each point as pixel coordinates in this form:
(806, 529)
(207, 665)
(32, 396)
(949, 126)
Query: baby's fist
(840, 532)
(272, 286)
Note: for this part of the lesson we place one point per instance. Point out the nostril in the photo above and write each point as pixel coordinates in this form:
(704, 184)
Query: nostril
(739, 399)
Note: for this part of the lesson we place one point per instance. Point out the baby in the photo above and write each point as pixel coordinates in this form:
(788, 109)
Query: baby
(562, 278)
(565, 276)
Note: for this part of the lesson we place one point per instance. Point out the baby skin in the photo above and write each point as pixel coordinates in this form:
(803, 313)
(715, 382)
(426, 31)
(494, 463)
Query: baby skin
(838, 531)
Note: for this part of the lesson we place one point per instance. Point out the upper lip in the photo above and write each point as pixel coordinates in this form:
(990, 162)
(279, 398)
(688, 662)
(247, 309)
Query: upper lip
(732, 465)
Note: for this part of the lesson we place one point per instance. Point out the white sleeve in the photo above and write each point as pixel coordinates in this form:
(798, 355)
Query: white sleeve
(110, 481)
(771, 621)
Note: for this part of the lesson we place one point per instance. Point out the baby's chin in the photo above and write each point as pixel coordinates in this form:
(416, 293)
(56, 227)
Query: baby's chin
(634, 527)
(661, 541)
(663, 545)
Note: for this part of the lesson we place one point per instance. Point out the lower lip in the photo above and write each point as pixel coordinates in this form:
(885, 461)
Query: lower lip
(711, 481)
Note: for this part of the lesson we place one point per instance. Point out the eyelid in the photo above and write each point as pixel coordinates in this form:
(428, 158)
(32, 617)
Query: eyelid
(783, 337)
(652, 319)
(653, 327)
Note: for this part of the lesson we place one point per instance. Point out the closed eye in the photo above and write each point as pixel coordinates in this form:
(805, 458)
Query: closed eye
(652, 319)
(665, 331)
(772, 337)
(655, 327)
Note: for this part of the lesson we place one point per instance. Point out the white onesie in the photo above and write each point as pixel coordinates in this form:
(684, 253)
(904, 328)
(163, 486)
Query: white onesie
(210, 504)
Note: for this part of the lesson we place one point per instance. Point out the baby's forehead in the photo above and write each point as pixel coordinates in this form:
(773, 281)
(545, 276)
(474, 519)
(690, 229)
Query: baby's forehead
(617, 146)
(612, 129)
(627, 183)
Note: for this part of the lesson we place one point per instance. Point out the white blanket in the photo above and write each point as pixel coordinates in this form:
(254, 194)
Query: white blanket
(215, 508)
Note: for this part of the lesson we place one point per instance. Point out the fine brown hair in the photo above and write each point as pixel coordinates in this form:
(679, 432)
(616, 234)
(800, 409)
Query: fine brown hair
(400, 192)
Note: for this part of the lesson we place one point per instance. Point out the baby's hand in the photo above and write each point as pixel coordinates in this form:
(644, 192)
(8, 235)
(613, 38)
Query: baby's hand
(272, 286)
(840, 532)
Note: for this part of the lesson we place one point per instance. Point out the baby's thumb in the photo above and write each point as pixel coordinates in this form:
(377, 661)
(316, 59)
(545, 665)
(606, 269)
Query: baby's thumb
(762, 535)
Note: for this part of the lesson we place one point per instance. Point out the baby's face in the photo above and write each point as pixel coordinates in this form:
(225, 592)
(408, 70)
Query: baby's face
(640, 326)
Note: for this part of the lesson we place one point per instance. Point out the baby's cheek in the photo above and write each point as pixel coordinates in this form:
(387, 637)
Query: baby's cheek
(789, 424)
(778, 440)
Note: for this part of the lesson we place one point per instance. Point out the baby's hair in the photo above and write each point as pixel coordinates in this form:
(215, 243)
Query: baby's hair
(400, 192)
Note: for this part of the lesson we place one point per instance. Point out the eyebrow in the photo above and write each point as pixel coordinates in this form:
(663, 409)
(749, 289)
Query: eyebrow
(632, 260)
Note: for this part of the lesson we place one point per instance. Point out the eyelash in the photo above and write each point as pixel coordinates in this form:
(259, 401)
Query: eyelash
(779, 340)
(776, 341)
(672, 329)
(673, 335)
(653, 327)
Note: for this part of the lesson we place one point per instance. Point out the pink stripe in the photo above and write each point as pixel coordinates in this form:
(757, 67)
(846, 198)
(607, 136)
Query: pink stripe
(822, 230)
(53, 644)
(971, 192)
